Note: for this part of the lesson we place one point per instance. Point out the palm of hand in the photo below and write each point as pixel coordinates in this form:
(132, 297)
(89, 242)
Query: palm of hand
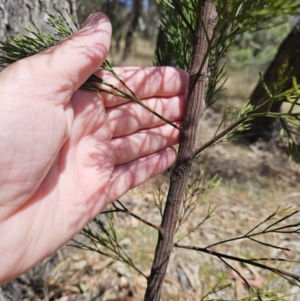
(68, 154)
(75, 159)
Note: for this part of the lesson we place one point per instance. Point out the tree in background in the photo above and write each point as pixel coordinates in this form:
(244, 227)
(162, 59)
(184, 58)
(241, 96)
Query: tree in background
(136, 12)
(278, 77)
(124, 16)
(117, 10)
(151, 19)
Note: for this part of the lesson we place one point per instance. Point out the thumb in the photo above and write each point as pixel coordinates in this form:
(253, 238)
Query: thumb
(75, 58)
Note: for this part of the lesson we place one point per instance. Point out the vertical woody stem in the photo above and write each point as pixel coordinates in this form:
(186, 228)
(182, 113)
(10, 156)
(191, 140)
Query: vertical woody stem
(179, 177)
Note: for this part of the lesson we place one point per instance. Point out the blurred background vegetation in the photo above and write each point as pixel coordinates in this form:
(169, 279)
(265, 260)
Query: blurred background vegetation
(252, 48)
(259, 47)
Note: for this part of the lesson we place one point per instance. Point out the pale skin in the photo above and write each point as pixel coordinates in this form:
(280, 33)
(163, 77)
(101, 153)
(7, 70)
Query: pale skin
(67, 153)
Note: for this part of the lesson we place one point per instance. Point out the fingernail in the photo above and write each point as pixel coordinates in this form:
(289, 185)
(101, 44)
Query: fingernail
(91, 21)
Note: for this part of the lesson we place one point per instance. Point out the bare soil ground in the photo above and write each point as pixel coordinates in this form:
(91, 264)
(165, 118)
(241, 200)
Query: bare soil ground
(256, 179)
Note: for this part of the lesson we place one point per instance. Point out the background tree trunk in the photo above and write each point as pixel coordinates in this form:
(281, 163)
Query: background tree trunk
(285, 65)
(137, 7)
(29, 11)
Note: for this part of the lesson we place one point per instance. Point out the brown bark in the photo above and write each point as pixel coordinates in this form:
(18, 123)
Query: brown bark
(29, 11)
(180, 174)
(286, 64)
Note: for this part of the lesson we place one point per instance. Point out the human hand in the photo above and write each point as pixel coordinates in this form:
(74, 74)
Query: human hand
(67, 153)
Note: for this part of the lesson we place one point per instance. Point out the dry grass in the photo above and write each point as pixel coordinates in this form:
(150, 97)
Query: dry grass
(256, 180)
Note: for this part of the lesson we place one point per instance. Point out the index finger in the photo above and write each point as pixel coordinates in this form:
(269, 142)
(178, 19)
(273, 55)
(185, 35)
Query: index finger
(145, 82)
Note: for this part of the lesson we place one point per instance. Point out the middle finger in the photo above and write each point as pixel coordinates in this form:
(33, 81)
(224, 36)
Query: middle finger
(131, 117)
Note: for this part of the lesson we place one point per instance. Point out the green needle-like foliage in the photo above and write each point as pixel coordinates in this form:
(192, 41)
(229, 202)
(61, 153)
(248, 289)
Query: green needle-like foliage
(16, 48)
(234, 18)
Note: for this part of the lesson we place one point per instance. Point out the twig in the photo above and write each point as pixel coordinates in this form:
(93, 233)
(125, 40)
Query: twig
(128, 212)
(242, 260)
(239, 274)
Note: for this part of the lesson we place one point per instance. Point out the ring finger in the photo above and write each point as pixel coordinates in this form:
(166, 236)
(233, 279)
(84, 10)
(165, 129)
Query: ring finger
(131, 117)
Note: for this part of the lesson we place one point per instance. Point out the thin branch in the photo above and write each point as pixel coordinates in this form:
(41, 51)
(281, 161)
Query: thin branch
(126, 211)
(208, 215)
(249, 116)
(239, 259)
(109, 242)
(259, 224)
(109, 211)
(274, 259)
(239, 274)
(268, 245)
(215, 289)
(219, 136)
(250, 234)
(282, 219)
